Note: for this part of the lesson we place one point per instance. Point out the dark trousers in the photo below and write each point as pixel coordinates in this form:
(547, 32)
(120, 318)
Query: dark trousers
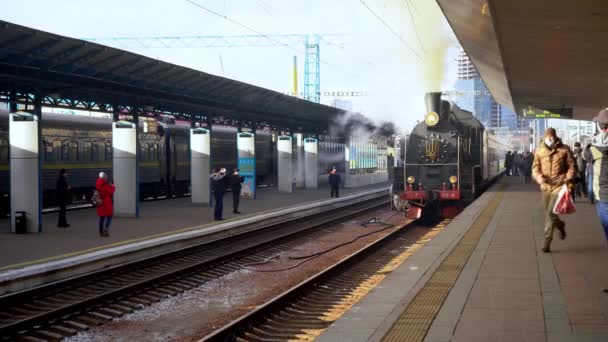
(63, 221)
(335, 191)
(104, 223)
(236, 198)
(219, 205)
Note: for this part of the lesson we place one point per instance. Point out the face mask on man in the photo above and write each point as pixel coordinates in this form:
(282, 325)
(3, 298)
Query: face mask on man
(549, 142)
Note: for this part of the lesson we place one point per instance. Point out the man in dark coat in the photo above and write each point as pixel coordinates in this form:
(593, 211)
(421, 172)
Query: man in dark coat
(62, 198)
(508, 162)
(236, 181)
(218, 184)
(334, 183)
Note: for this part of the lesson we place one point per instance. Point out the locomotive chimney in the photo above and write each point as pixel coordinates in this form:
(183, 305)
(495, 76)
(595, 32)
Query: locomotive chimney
(433, 102)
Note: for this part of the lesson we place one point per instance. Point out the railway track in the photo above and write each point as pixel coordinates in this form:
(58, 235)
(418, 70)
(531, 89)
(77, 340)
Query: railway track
(62, 309)
(307, 309)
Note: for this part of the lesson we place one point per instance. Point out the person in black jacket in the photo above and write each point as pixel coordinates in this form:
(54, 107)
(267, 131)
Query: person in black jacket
(236, 181)
(62, 198)
(334, 183)
(218, 184)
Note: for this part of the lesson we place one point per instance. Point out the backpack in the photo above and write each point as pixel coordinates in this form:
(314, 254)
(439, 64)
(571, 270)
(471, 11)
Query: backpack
(96, 199)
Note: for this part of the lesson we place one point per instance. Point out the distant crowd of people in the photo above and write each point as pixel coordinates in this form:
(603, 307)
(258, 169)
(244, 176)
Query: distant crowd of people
(519, 164)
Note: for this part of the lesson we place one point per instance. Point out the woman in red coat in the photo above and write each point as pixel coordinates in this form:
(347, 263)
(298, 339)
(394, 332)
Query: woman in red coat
(105, 209)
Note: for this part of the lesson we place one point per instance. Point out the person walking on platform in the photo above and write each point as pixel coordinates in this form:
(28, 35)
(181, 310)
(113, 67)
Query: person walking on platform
(596, 154)
(553, 167)
(62, 198)
(334, 183)
(218, 184)
(105, 207)
(236, 184)
(580, 190)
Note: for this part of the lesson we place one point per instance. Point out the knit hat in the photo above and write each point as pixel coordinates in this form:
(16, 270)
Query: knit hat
(602, 116)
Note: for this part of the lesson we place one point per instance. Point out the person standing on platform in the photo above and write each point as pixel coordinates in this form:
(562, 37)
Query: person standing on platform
(105, 207)
(515, 164)
(589, 175)
(526, 165)
(62, 198)
(553, 167)
(334, 183)
(508, 163)
(236, 184)
(218, 184)
(597, 155)
(580, 190)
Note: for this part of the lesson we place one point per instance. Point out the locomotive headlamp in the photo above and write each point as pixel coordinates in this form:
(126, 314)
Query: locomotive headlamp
(453, 179)
(411, 180)
(431, 118)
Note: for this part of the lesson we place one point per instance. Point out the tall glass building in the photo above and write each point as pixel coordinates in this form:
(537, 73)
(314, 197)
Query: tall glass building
(473, 95)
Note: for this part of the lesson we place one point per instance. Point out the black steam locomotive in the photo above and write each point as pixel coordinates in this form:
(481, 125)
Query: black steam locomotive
(450, 159)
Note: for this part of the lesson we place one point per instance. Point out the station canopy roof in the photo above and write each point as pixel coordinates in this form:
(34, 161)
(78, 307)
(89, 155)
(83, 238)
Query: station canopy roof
(72, 71)
(545, 55)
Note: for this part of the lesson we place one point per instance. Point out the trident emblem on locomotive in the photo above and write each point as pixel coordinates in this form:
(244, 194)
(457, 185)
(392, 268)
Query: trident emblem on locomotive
(432, 149)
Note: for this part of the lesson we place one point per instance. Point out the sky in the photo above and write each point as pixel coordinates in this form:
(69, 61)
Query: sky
(393, 50)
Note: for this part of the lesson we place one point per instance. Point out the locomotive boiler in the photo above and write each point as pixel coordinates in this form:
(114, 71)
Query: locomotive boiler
(450, 159)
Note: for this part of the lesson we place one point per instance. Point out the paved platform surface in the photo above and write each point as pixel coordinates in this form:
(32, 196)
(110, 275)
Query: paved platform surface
(157, 218)
(505, 289)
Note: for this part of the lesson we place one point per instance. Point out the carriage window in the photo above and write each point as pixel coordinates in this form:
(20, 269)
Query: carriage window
(4, 148)
(48, 151)
(151, 151)
(73, 151)
(156, 152)
(108, 154)
(143, 156)
(95, 152)
(57, 151)
(86, 151)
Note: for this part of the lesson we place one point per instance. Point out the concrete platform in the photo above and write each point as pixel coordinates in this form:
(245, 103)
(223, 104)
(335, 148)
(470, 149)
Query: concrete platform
(505, 289)
(57, 253)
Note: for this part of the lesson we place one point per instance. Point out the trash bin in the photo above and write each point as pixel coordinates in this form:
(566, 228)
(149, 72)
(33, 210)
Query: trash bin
(20, 222)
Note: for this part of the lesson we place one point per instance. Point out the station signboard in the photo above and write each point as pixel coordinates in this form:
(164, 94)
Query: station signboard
(549, 113)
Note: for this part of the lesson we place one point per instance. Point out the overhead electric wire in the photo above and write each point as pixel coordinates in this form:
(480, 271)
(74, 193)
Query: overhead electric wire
(390, 29)
(225, 17)
(407, 3)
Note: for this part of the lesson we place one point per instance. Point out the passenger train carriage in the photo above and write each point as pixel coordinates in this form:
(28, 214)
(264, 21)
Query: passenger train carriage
(450, 159)
(83, 146)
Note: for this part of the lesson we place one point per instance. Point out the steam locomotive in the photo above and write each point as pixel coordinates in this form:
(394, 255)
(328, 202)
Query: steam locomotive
(450, 159)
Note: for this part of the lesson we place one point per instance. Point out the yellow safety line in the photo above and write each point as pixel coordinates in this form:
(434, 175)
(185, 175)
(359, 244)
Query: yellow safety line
(416, 320)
